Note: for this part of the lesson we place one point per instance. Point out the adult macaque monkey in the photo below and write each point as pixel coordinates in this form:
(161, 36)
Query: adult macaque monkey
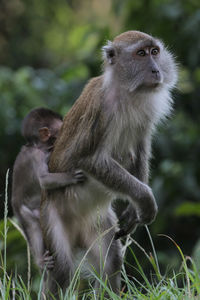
(107, 133)
(40, 128)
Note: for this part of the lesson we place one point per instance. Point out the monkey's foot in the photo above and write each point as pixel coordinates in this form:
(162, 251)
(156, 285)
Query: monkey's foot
(48, 260)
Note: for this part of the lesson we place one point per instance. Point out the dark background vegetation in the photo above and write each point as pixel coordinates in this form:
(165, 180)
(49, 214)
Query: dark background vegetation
(48, 51)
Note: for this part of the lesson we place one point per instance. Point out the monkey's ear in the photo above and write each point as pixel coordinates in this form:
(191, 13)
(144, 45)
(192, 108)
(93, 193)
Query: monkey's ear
(109, 53)
(44, 134)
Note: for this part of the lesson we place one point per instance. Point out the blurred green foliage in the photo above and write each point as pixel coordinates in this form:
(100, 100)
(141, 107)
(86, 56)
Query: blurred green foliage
(49, 49)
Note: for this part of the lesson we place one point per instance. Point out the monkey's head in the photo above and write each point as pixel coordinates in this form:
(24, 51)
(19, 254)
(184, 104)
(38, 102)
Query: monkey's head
(139, 61)
(41, 126)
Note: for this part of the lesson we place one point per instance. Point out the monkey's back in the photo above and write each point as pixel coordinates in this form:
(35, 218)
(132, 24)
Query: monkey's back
(25, 185)
(81, 131)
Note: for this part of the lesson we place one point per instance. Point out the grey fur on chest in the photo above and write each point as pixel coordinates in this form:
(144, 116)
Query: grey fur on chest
(129, 127)
(133, 117)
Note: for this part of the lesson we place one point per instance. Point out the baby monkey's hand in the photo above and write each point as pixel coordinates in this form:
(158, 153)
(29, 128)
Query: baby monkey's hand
(79, 176)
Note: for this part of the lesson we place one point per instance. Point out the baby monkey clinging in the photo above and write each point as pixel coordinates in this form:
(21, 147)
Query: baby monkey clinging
(40, 129)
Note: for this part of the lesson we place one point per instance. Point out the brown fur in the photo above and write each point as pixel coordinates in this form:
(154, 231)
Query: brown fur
(131, 37)
(73, 138)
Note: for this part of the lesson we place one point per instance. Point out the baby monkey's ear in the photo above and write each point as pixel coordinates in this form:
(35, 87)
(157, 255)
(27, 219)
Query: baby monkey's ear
(44, 134)
(109, 53)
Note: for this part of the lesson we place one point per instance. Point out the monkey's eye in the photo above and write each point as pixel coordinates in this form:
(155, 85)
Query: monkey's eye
(155, 51)
(141, 53)
(111, 53)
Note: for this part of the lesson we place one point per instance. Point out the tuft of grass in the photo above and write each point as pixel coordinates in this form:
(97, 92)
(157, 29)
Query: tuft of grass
(182, 285)
(5, 286)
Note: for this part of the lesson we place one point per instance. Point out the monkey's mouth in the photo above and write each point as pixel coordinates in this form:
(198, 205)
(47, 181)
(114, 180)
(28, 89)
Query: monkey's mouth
(153, 85)
(153, 81)
(148, 86)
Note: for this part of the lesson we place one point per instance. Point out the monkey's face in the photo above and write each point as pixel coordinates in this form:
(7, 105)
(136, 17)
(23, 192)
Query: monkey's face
(47, 135)
(54, 131)
(55, 128)
(144, 64)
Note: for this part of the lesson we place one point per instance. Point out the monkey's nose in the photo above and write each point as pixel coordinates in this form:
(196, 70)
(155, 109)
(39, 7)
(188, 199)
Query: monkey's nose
(156, 74)
(155, 71)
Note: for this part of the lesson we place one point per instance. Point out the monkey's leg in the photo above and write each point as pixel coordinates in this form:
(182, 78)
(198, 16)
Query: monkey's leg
(112, 266)
(60, 245)
(31, 225)
(58, 279)
(106, 256)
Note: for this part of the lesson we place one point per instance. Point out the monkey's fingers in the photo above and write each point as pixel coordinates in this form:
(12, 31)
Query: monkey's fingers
(79, 172)
(125, 231)
(123, 217)
(127, 228)
(46, 254)
(50, 266)
(80, 176)
(128, 215)
(49, 259)
(119, 234)
(49, 263)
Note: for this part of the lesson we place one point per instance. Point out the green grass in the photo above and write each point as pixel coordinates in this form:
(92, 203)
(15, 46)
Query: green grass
(182, 285)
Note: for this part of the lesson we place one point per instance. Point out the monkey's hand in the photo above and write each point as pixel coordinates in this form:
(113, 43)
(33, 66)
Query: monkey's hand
(147, 206)
(147, 211)
(47, 261)
(78, 177)
(129, 221)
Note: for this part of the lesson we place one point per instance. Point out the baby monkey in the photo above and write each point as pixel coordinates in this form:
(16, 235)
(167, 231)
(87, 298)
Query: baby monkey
(30, 175)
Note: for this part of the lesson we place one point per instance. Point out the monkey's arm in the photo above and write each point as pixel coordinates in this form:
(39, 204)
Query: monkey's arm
(114, 176)
(140, 169)
(57, 180)
(49, 180)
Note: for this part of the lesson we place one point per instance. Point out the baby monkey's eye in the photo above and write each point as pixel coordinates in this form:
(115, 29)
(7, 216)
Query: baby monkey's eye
(141, 53)
(155, 51)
